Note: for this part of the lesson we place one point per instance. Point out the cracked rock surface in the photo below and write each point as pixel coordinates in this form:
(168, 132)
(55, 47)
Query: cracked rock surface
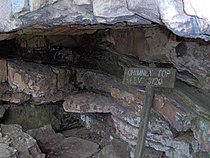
(186, 18)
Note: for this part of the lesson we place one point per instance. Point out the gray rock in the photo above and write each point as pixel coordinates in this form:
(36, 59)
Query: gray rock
(159, 136)
(192, 57)
(182, 17)
(3, 109)
(84, 133)
(7, 152)
(108, 8)
(116, 149)
(176, 106)
(152, 153)
(57, 146)
(21, 144)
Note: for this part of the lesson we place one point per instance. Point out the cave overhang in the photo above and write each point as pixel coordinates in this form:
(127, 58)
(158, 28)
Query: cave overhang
(185, 18)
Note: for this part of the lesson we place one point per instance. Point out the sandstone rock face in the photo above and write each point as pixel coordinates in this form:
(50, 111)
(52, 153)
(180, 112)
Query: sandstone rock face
(124, 103)
(42, 83)
(32, 79)
(185, 18)
(179, 121)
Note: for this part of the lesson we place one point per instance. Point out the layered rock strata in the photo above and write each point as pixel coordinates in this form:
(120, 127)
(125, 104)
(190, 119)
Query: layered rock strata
(184, 17)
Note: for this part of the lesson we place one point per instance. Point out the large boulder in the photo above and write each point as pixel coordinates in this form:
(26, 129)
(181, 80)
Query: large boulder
(184, 17)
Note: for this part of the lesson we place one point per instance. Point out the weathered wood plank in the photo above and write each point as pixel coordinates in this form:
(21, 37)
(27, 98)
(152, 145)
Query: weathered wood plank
(155, 77)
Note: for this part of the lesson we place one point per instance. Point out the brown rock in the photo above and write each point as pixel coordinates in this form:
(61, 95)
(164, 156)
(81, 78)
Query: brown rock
(3, 70)
(15, 97)
(36, 80)
(129, 41)
(95, 103)
(4, 87)
(126, 96)
(64, 79)
(169, 110)
(88, 103)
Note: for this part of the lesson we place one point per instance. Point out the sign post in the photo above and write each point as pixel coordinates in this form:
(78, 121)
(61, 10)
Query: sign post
(149, 77)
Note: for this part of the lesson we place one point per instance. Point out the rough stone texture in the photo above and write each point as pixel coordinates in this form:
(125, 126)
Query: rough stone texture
(33, 79)
(177, 109)
(57, 146)
(184, 18)
(152, 153)
(17, 143)
(147, 9)
(176, 19)
(171, 111)
(84, 133)
(126, 124)
(103, 48)
(6, 151)
(108, 8)
(64, 79)
(177, 106)
(192, 57)
(3, 70)
(128, 41)
(15, 97)
(39, 81)
(88, 102)
(100, 123)
(116, 149)
(6, 94)
(202, 133)
(3, 109)
(130, 97)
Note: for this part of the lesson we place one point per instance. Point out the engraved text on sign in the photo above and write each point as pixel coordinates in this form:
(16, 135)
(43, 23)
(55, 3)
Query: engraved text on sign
(155, 77)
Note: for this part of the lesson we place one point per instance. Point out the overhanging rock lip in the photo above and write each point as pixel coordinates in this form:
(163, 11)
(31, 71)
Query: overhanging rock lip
(179, 16)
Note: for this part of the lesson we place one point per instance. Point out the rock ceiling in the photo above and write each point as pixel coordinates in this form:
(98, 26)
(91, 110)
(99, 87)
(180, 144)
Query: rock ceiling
(187, 18)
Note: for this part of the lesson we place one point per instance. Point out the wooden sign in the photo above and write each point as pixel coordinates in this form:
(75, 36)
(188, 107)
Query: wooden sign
(149, 77)
(155, 77)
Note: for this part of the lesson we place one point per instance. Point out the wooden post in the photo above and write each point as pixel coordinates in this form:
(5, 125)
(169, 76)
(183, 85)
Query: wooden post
(148, 102)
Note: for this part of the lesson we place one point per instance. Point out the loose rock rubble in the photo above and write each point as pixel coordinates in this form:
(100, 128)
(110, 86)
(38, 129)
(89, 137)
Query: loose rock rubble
(17, 144)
